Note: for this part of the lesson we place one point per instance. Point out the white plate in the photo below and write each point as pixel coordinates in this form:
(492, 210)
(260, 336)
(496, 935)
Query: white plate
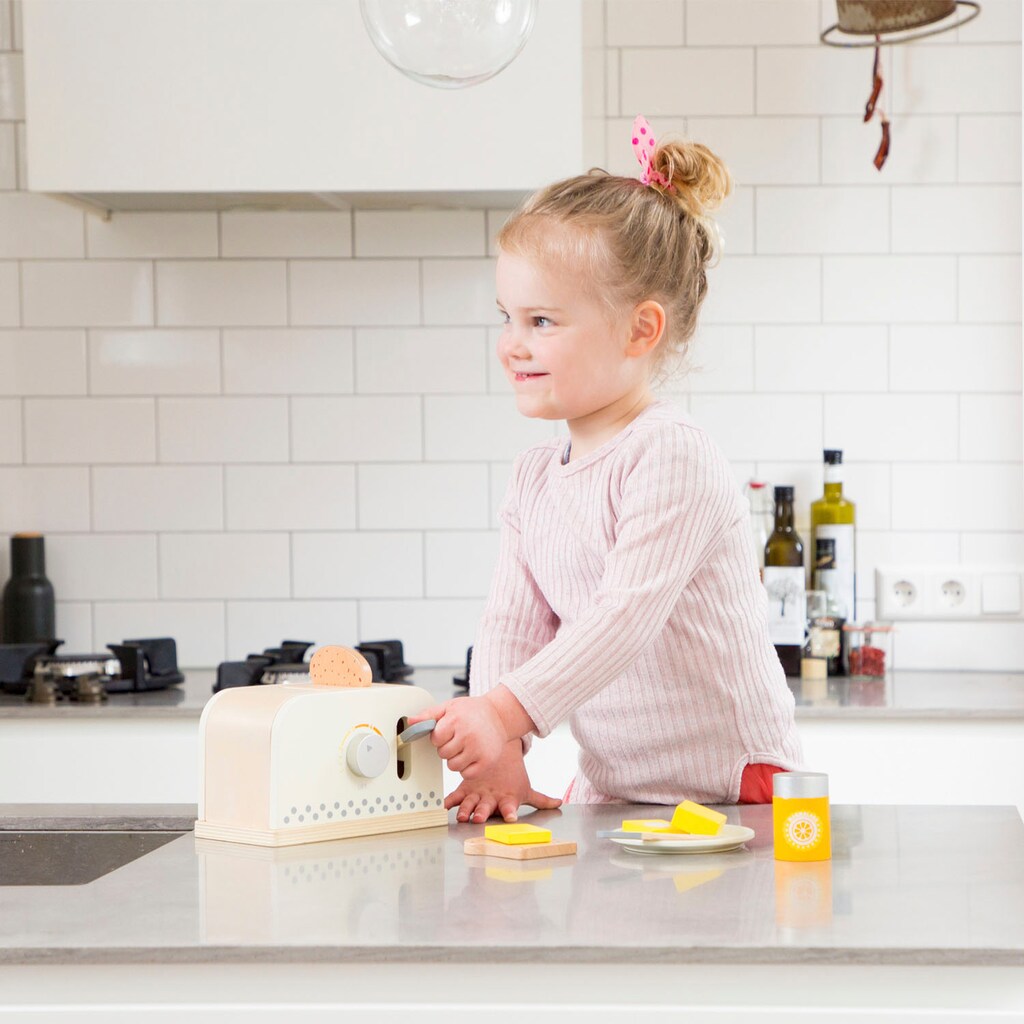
(730, 837)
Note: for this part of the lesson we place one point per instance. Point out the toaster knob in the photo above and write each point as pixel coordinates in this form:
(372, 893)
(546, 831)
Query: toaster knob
(367, 754)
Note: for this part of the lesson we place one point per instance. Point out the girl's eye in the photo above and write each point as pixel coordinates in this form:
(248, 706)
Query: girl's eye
(504, 316)
(542, 321)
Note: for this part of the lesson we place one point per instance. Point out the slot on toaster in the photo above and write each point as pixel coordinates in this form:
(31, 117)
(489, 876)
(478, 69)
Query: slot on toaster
(404, 753)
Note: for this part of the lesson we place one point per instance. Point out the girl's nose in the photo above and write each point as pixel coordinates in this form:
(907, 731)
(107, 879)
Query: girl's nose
(510, 344)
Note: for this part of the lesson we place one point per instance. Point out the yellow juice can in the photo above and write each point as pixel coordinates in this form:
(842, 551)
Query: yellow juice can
(800, 816)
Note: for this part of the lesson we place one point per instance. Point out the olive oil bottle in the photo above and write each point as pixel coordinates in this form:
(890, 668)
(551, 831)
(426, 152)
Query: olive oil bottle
(786, 586)
(833, 540)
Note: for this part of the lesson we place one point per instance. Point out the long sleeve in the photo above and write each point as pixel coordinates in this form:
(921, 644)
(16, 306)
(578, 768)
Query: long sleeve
(676, 501)
(517, 621)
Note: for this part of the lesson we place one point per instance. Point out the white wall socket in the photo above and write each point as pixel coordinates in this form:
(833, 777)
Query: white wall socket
(949, 592)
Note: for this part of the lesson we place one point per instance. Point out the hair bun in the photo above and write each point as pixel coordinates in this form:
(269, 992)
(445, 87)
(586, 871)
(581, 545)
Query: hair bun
(700, 180)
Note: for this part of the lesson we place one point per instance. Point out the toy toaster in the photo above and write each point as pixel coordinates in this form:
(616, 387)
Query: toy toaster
(289, 764)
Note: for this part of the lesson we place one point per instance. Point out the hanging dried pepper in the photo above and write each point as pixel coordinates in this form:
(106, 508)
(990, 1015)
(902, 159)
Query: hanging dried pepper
(872, 106)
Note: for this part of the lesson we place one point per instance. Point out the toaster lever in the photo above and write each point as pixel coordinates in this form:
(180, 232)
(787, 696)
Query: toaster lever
(417, 731)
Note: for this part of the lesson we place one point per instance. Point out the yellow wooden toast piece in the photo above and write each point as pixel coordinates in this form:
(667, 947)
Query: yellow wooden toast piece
(517, 834)
(696, 819)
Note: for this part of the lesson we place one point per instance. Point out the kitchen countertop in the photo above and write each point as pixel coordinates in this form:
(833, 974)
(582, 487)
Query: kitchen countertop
(933, 695)
(910, 885)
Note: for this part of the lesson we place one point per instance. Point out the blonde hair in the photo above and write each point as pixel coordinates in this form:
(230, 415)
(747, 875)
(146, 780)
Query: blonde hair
(632, 241)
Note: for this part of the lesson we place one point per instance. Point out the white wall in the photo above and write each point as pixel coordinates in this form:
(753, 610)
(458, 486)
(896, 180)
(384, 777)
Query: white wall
(238, 426)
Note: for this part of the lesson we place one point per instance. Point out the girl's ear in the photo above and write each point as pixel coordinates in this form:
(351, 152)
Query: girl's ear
(646, 328)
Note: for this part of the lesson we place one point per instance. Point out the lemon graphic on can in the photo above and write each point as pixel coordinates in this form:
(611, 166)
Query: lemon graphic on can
(803, 829)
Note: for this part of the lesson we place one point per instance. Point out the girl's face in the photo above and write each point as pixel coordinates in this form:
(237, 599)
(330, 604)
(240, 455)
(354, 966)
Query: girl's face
(562, 351)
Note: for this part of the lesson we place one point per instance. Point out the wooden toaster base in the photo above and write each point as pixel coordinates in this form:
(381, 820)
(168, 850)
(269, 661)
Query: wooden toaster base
(480, 846)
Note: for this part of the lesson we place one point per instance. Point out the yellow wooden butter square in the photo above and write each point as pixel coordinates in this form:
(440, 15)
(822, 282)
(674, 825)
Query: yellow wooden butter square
(517, 834)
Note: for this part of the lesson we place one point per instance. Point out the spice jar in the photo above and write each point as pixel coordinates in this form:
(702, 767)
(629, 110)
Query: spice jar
(800, 816)
(869, 650)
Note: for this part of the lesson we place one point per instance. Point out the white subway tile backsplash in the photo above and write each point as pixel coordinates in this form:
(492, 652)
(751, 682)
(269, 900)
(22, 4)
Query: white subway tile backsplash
(10, 300)
(924, 151)
(423, 496)
(612, 87)
(254, 625)
(223, 565)
(478, 427)
(6, 25)
(93, 567)
(1000, 23)
(811, 80)
(42, 362)
(719, 358)
(223, 429)
(434, 632)
(37, 226)
(945, 646)
(764, 289)
(881, 547)
(955, 357)
(151, 498)
(357, 428)
(963, 79)
(645, 22)
(786, 154)
(459, 292)
(822, 220)
(154, 361)
(821, 358)
(688, 82)
(956, 219)
(751, 22)
(327, 292)
(285, 233)
(992, 548)
(735, 222)
(290, 497)
(879, 289)
(991, 428)
(44, 500)
(989, 289)
(96, 430)
(87, 293)
(22, 147)
(893, 427)
(495, 222)
(151, 235)
(10, 431)
(989, 148)
(762, 426)
(866, 484)
(358, 564)
(74, 625)
(421, 233)
(12, 87)
(592, 18)
(236, 293)
(288, 360)
(197, 627)
(460, 563)
(8, 157)
(16, 39)
(975, 496)
(592, 87)
(421, 360)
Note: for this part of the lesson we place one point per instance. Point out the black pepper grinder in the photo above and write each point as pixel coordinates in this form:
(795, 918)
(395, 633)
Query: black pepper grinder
(28, 595)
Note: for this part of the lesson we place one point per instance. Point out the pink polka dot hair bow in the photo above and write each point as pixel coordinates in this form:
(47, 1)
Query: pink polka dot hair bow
(644, 145)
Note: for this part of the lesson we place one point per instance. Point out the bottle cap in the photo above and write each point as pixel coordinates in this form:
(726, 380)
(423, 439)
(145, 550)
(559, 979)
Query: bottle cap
(800, 785)
(783, 493)
(833, 456)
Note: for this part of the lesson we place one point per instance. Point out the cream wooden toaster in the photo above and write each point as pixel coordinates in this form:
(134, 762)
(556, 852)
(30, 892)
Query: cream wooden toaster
(288, 764)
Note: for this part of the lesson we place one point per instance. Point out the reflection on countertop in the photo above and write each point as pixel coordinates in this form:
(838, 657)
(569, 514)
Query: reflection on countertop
(997, 695)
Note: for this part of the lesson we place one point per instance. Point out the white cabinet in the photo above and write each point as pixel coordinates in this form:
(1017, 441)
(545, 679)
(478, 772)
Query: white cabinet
(136, 97)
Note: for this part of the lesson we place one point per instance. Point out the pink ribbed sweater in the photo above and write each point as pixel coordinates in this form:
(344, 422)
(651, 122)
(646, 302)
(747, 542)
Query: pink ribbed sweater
(626, 598)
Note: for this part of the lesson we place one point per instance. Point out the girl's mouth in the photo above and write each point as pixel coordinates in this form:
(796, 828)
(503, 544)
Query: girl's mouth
(528, 376)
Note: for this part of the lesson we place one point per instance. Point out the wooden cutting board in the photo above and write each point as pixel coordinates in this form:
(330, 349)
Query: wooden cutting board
(480, 846)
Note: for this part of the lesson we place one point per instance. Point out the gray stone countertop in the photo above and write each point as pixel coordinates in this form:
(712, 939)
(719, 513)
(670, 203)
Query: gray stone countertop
(906, 885)
(953, 695)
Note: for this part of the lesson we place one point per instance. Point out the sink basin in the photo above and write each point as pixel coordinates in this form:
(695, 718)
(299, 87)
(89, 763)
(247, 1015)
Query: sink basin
(71, 858)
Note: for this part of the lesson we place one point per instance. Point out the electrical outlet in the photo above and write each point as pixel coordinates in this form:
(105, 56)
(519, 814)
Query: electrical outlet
(949, 592)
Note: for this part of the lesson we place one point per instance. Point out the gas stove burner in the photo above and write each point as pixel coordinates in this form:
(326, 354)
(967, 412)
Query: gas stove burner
(131, 666)
(286, 665)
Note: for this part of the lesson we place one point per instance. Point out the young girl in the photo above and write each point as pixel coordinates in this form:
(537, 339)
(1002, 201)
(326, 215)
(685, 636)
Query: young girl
(626, 596)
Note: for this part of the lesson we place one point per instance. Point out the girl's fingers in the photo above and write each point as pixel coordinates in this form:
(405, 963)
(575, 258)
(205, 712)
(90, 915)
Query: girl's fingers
(542, 802)
(422, 716)
(465, 812)
(509, 808)
(451, 751)
(484, 809)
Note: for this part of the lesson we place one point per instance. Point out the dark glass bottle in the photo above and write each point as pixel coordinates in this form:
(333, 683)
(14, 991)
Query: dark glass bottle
(28, 596)
(785, 582)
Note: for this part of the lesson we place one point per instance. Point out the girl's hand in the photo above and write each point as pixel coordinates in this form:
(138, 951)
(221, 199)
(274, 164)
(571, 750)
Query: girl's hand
(469, 735)
(503, 788)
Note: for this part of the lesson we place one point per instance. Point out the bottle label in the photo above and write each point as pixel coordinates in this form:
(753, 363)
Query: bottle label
(834, 566)
(787, 604)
